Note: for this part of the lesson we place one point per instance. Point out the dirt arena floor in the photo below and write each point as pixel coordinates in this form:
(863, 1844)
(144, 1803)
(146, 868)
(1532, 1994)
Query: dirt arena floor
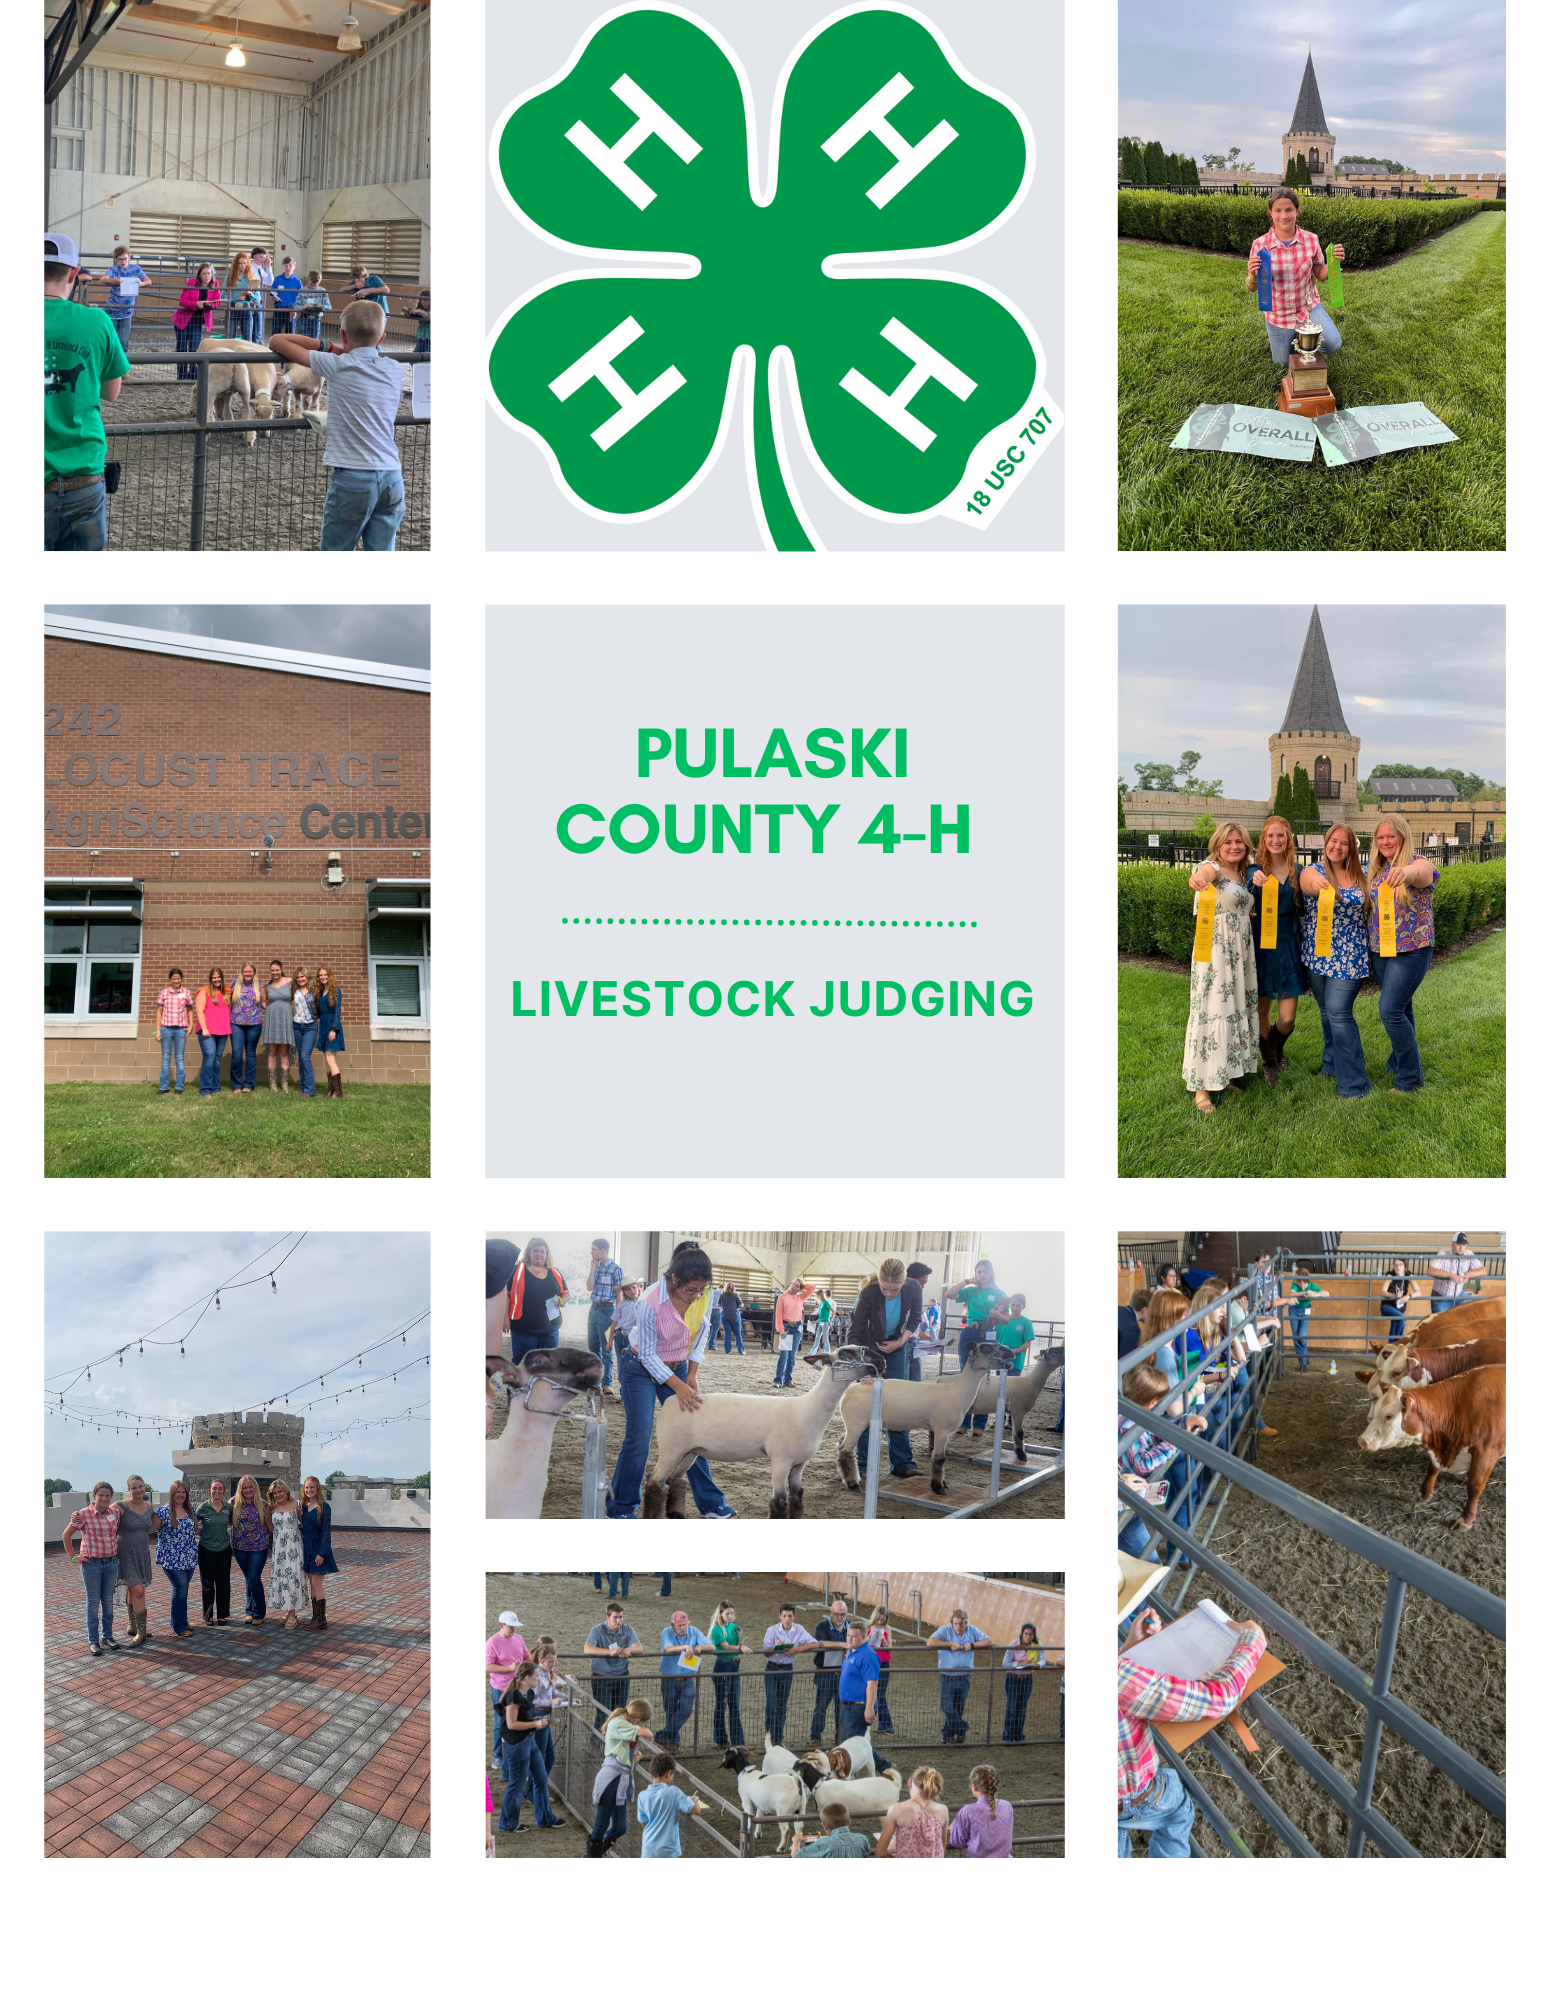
(1449, 1671)
(748, 1486)
(266, 496)
(568, 1605)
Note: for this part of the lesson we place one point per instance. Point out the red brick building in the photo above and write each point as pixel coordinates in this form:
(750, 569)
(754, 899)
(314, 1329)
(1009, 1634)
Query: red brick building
(208, 803)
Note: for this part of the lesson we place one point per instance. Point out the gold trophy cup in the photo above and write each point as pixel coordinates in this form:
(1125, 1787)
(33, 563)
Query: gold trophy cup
(1305, 389)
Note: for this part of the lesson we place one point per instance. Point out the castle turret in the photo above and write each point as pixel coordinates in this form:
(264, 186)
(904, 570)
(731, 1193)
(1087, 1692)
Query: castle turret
(229, 1443)
(1307, 133)
(1314, 732)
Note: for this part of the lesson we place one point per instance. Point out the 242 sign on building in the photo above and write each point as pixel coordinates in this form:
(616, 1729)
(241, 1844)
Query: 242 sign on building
(916, 392)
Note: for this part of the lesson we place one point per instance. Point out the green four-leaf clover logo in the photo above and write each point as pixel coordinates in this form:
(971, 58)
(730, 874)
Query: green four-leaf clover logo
(916, 392)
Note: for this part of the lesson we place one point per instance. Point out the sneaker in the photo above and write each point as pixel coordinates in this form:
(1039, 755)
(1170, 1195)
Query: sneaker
(719, 1514)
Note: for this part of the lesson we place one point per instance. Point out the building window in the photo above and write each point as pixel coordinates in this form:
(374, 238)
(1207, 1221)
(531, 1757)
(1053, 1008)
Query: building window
(397, 925)
(91, 950)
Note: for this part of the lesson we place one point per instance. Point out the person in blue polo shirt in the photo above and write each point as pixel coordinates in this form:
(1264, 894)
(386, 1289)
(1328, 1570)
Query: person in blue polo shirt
(120, 300)
(681, 1651)
(956, 1645)
(858, 1689)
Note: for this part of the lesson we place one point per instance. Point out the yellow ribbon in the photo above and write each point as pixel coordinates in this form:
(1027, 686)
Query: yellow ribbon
(1326, 902)
(1387, 941)
(1206, 913)
(1269, 914)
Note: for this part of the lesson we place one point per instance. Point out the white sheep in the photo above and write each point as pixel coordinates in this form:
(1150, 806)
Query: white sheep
(1019, 1399)
(302, 389)
(774, 1797)
(540, 1387)
(254, 381)
(731, 1429)
(936, 1407)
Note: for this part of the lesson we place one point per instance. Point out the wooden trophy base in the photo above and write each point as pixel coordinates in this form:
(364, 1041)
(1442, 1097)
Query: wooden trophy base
(1305, 389)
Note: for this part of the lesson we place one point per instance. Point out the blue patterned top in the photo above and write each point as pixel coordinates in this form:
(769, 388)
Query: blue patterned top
(177, 1544)
(1348, 936)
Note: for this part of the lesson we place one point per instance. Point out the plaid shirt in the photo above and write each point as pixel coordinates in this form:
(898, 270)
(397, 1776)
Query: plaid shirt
(1143, 1696)
(604, 1280)
(1292, 274)
(1138, 1451)
(174, 1003)
(98, 1533)
(1449, 1273)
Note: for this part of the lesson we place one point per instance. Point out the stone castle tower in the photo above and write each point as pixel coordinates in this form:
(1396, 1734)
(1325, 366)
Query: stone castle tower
(1306, 133)
(229, 1443)
(1314, 732)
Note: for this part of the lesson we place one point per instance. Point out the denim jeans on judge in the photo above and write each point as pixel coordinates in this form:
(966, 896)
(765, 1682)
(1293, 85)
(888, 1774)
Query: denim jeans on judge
(244, 1048)
(211, 1050)
(883, 1726)
(598, 1320)
(1281, 337)
(776, 1685)
(641, 1395)
(188, 338)
(1397, 979)
(727, 1732)
(76, 520)
(1343, 1058)
(678, 1697)
(614, 1577)
(179, 1579)
(100, 1576)
(1447, 1305)
(1165, 1814)
(825, 1698)
(850, 1722)
(173, 1042)
(305, 1042)
(363, 509)
(954, 1692)
(250, 1562)
(607, 1691)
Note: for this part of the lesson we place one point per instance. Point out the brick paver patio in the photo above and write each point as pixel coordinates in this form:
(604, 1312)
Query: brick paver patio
(245, 1739)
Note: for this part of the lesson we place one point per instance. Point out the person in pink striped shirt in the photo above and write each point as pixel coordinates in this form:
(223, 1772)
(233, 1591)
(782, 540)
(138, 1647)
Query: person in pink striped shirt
(172, 1004)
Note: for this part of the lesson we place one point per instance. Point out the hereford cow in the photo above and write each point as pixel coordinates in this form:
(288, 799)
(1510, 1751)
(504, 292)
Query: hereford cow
(1411, 1361)
(1460, 1424)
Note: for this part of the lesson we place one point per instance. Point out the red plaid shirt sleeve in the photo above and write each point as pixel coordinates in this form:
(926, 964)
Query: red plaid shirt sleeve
(98, 1533)
(1143, 1696)
(1293, 290)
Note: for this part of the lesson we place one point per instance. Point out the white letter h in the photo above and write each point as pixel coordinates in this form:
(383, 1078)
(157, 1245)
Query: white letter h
(927, 363)
(652, 122)
(633, 405)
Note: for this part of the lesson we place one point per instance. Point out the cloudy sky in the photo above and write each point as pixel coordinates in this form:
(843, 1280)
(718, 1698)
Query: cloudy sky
(337, 1293)
(396, 634)
(1422, 82)
(1420, 684)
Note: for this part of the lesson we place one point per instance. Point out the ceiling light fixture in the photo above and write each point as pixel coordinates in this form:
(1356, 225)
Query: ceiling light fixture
(348, 39)
(236, 55)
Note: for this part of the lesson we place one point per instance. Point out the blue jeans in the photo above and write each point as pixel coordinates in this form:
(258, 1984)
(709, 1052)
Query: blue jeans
(363, 508)
(611, 1818)
(954, 1691)
(173, 1042)
(850, 1722)
(305, 1042)
(899, 1442)
(188, 338)
(731, 1328)
(640, 1396)
(914, 1363)
(665, 1576)
(607, 1691)
(599, 1320)
(1016, 1690)
(613, 1578)
(678, 1694)
(101, 1578)
(1281, 337)
(240, 324)
(76, 520)
(1447, 1305)
(1343, 1058)
(543, 1751)
(1165, 1815)
(1133, 1538)
(777, 1683)
(178, 1579)
(883, 1726)
(244, 1048)
(522, 1344)
(250, 1562)
(825, 1697)
(967, 1342)
(783, 1374)
(211, 1049)
(1395, 1314)
(1397, 979)
(515, 1761)
(1298, 1317)
(727, 1731)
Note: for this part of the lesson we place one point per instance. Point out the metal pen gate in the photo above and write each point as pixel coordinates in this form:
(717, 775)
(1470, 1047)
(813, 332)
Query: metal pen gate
(1225, 1468)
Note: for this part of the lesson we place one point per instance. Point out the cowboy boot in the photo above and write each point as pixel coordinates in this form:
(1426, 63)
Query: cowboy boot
(318, 1615)
(339, 1081)
(1280, 1035)
(1269, 1058)
(273, 1081)
(285, 1086)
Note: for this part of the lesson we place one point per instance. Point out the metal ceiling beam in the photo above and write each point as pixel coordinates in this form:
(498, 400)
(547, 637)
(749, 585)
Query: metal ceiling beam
(91, 20)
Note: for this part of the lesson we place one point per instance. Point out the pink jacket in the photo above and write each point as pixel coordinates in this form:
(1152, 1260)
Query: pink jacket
(188, 307)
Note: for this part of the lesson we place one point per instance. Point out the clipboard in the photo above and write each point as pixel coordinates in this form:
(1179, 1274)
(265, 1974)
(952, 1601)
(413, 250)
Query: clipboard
(1181, 1735)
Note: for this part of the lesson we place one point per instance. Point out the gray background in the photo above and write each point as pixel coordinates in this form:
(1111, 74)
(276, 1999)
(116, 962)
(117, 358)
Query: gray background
(980, 693)
(1013, 47)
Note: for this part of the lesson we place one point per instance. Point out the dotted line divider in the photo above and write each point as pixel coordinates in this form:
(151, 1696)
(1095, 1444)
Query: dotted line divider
(785, 923)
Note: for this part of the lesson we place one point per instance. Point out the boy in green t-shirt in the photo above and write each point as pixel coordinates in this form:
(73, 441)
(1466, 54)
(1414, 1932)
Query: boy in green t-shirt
(1015, 1332)
(83, 365)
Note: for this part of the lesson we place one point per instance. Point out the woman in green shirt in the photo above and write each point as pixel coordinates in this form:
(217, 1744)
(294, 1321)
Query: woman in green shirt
(724, 1637)
(214, 1554)
(978, 1295)
(1298, 1312)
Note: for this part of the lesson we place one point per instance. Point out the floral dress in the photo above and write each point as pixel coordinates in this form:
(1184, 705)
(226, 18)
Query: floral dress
(177, 1542)
(1348, 955)
(921, 1839)
(1222, 1033)
(288, 1589)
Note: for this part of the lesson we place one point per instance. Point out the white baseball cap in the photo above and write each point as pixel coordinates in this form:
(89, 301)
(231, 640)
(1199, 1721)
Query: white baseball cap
(59, 249)
(508, 1618)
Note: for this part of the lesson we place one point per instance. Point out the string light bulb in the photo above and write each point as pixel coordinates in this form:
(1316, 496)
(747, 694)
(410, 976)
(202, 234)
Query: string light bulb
(217, 1301)
(273, 1282)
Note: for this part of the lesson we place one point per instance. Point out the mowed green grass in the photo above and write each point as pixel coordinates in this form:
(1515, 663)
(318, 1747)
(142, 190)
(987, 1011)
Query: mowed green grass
(1454, 1125)
(1430, 329)
(127, 1130)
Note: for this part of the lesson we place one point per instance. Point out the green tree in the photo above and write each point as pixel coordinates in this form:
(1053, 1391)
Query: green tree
(1466, 783)
(423, 1481)
(1282, 798)
(1121, 812)
(1306, 807)
(53, 1486)
(1153, 163)
(1132, 168)
(328, 1481)
(1215, 159)
(1204, 826)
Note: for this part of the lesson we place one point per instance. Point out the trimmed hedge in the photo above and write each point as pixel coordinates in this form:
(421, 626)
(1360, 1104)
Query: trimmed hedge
(1231, 222)
(1153, 905)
